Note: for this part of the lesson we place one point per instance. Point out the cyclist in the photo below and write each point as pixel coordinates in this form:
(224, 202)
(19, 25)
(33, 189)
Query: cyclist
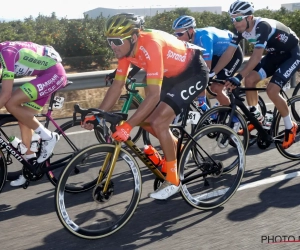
(176, 74)
(18, 58)
(281, 61)
(215, 42)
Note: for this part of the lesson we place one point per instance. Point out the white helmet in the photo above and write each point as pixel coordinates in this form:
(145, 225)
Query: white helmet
(184, 22)
(244, 7)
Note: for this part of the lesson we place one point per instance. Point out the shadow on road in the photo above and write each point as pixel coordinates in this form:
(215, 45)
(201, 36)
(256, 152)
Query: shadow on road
(153, 221)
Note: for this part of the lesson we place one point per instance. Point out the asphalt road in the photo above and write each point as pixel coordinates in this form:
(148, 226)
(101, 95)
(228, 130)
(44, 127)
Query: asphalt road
(265, 208)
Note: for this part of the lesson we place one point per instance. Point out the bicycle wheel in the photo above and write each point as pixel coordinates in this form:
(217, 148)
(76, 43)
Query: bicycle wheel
(136, 132)
(3, 170)
(76, 139)
(292, 152)
(221, 115)
(205, 185)
(95, 214)
(9, 127)
(296, 90)
(261, 103)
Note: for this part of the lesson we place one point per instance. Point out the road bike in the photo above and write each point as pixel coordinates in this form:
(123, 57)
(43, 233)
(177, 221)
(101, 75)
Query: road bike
(112, 202)
(71, 141)
(263, 137)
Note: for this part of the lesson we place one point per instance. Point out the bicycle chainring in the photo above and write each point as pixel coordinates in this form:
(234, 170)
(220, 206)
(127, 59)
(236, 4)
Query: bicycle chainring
(99, 196)
(31, 176)
(262, 143)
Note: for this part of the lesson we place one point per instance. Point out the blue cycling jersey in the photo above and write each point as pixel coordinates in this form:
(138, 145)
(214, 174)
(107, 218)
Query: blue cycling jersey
(213, 40)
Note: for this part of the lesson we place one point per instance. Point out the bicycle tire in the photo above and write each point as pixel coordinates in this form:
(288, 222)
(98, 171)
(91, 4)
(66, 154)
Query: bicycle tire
(226, 110)
(11, 175)
(280, 130)
(53, 177)
(296, 90)
(191, 192)
(3, 171)
(66, 203)
(261, 103)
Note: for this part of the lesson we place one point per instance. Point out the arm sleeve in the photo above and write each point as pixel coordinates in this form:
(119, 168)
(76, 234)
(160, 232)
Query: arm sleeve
(134, 70)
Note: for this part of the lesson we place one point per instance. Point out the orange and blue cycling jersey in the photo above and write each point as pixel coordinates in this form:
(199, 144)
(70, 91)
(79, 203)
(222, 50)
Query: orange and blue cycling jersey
(159, 54)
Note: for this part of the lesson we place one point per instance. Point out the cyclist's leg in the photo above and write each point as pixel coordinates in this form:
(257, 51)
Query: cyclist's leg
(281, 76)
(264, 69)
(31, 97)
(229, 70)
(187, 86)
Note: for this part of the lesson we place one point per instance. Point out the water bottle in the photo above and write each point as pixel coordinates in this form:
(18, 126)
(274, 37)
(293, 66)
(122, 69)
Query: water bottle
(35, 143)
(153, 155)
(268, 120)
(17, 144)
(203, 106)
(214, 116)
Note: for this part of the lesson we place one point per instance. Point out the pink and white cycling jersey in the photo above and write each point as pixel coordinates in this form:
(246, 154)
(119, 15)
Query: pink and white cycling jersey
(26, 58)
(18, 58)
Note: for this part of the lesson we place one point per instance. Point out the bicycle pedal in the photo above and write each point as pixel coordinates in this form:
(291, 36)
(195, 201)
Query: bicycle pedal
(26, 184)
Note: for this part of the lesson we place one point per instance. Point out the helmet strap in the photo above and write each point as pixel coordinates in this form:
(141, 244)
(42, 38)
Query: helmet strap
(190, 36)
(131, 48)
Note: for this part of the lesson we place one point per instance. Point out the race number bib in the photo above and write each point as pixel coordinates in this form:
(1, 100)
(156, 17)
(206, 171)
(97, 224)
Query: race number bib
(51, 52)
(58, 102)
(193, 117)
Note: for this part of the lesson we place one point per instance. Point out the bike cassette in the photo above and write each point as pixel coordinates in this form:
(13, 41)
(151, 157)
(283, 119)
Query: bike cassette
(218, 169)
(99, 196)
(31, 176)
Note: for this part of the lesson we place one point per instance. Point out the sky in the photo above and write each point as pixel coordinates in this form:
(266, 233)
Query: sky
(74, 9)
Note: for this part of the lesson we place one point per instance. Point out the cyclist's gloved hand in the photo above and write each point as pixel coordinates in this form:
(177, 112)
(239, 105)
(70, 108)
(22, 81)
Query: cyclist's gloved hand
(122, 132)
(212, 75)
(234, 80)
(89, 122)
(110, 78)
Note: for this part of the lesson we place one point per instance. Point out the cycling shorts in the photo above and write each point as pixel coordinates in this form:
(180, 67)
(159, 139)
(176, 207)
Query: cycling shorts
(280, 65)
(40, 89)
(179, 92)
(232, 67)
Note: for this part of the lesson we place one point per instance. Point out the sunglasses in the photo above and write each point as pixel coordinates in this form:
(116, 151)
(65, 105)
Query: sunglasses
(116, 41)
(238, 19)
(179, 34)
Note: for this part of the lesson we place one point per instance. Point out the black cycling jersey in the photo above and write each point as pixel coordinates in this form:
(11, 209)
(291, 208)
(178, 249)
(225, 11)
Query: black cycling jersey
(268, 34)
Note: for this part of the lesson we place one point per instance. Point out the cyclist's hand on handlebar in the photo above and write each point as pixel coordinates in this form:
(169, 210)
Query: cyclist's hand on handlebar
(109, 78)
(233, 82)
(88, 122)
(122, 132)
(212, 75)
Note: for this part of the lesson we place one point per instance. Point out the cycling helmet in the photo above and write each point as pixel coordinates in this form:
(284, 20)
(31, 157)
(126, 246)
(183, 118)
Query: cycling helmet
(184, 22)
(122, 25)
(243, 7)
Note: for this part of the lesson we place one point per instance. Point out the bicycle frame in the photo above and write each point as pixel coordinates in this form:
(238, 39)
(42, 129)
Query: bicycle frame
(132, 93)
(236, 101)
(113, 157)
(56, 164)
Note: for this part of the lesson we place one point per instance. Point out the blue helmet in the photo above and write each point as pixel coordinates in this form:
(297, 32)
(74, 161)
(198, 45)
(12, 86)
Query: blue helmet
(184, 22)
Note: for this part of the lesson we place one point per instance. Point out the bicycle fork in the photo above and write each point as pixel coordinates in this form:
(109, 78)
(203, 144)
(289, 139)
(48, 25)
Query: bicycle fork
(109, 158)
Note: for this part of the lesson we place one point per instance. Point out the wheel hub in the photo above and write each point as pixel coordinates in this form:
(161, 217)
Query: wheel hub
(99, 196)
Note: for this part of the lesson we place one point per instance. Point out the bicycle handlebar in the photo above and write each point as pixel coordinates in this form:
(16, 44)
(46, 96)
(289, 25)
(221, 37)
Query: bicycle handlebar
(112, 118)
